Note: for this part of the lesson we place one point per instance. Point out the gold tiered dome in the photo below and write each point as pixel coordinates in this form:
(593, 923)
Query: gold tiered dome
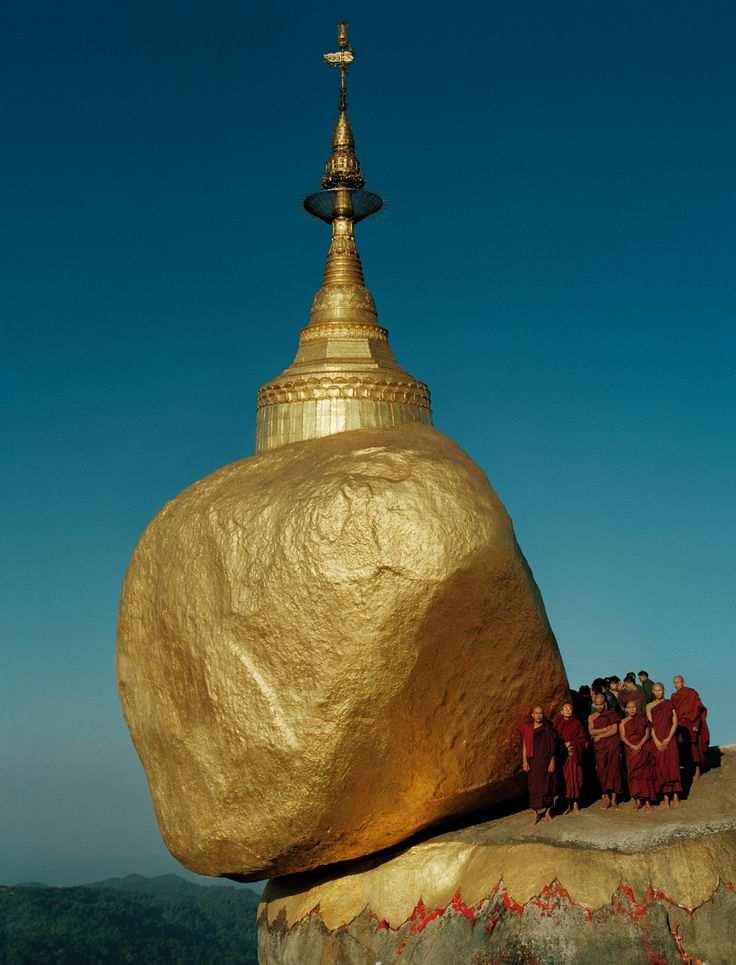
(344, 375)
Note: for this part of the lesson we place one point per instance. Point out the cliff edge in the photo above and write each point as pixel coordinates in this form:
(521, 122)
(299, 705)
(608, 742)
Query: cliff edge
(653, 887)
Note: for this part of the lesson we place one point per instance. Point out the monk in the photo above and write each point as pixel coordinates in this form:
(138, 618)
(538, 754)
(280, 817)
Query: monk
(572, 744)
(629, 691)
(538, 749)
(692, 729)
(603, 728)
(635, 732)
(663, 718)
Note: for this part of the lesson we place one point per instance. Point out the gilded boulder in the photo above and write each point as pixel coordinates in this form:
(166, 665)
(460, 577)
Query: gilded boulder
(326, 647)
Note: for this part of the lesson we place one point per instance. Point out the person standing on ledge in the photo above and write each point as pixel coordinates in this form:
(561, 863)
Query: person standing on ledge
(646, 685)
(603, 727)
(692, 730)
(630, 691)
(635, 733)
(663, 717)
(610, 691)
(614, 688)
(572, 744)
(582, 702)
(538, 749)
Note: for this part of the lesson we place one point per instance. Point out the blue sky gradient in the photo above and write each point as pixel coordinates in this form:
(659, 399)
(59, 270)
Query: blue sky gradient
(556, 260)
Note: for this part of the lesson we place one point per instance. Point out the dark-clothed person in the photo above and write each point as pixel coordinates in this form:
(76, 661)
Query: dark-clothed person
(572, 740)
(539, 747)
(692, 725)
(603, 727)
(629, 691)
(636, 736)
(663, 717)
(646, 685)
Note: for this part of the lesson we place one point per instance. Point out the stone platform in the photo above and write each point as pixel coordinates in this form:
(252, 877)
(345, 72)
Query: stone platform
(652, 888)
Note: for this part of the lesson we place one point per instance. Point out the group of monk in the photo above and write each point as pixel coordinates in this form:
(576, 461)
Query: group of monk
(626, 733)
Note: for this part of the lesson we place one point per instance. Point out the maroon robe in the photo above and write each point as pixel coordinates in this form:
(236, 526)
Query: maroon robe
(625, 695)
(640, 764)
(692, 726)
(608, 754)
(667, 762)
(542, 741)
(571, 731)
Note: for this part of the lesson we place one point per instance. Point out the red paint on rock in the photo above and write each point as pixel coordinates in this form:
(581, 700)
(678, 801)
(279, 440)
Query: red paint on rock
(552, 897)
(653, 956)
(549, 901)
(508, 902)
(459, 906)
(420, 923)
(681, 950)
(635, 910)
(492, 922)
(420, 917)
(654, 894)
(561, 892)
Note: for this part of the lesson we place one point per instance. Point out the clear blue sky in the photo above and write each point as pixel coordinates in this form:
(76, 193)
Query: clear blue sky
(556, 260)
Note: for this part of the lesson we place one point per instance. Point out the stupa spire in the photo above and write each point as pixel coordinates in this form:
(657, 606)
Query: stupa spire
(343, 168)
(344, 375)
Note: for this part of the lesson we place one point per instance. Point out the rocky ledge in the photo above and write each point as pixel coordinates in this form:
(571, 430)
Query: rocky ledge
(653, 887)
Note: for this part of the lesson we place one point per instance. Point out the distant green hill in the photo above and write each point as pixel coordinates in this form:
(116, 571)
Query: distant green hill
(167, 885)
(156, 921)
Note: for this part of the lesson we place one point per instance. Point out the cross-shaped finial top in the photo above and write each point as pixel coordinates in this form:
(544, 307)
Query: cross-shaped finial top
(341, 59)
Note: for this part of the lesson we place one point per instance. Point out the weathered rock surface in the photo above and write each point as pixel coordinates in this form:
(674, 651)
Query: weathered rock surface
(327, 647)
(651, 888)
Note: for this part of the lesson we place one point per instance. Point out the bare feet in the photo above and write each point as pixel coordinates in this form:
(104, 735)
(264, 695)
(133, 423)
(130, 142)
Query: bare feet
(675, 801)
(647, 806)
(665, 803)
(696, 775)
(637, 804)
(538, 816)
(547, 815)
(606, 803)
(575, 808)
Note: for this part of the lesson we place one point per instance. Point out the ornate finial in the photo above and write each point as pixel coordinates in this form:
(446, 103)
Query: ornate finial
(343, 168)
(342, 60)
(344, 375)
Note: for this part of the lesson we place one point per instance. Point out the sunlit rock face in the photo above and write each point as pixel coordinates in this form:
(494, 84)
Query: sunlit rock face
(327, 647)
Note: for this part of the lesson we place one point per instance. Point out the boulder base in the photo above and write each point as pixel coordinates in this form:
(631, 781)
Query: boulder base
(653, 888)
(327, 647)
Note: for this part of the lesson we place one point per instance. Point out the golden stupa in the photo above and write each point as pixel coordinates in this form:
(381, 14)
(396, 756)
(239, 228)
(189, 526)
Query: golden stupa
(344, 375)
(326, 646)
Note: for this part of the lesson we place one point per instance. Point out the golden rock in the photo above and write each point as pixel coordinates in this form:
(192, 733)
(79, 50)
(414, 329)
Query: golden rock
(327, 647)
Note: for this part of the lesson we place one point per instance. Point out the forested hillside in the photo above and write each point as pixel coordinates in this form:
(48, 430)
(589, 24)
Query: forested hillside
(159, 921)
